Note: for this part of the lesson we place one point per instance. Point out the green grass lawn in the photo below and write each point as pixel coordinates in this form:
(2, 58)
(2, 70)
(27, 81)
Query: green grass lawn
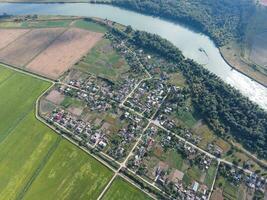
(89, 25)
(122, 190)
(104, 61)
(31, 154)
(70, 174)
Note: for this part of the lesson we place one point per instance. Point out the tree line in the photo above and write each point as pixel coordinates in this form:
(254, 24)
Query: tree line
(223, 20)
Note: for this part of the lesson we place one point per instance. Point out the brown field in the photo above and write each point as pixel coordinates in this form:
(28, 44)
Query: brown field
(55, 97)
(64, 52)
(9, 35)
(20, 52)
(259, 49)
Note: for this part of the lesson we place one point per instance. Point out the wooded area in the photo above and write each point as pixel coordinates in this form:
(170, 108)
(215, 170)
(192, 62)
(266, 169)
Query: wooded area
(223, 20)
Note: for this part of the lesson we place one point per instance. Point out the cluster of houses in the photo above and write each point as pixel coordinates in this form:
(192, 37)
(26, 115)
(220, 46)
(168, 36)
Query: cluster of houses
(100, 87)
(148, 97)
(99, 132)
(170, 179)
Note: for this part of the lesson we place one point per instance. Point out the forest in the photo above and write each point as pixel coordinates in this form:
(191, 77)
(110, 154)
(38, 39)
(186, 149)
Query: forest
(225, 109)
(222, 20)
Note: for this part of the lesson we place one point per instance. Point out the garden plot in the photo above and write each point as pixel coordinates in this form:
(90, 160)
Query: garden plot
(25, 48)
(64, 52)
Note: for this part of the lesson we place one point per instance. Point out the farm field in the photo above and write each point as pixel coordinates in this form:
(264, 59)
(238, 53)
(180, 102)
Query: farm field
(122, 190)
(8, 36)
(64, 52)
(25, 48)
(85, 179)
(36, 149)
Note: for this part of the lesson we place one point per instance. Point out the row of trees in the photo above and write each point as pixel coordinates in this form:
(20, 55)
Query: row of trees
(224, 108)
(223, 20)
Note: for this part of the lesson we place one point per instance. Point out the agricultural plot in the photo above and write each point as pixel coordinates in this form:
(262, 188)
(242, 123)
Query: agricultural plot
(85, 179)
(67, 49)
(8, 36)
(28, 147)
(173, 164)
(104, 61)
(25, 48)
(122, 190)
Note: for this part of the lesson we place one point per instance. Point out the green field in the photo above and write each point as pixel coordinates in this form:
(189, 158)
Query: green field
(121, 190)
(104, 61)
(32, 154)
(83, 180)
(88, 25)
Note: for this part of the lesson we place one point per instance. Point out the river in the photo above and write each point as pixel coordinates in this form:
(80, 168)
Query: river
(185, 39)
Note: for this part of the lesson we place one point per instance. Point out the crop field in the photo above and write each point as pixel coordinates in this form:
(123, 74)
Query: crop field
(67, 49)
(104, 61)
(7, 36)
(25, 48)
(29, 148)
(85, 179)
(122, 190)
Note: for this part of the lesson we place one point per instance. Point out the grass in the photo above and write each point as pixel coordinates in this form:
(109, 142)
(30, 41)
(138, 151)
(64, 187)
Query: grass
(31, 152)
(122, 190)
(85, 177)
(177, 79)
(68, 101)
(89, 25)
(175, 159)
(186, 117)
(210, 175)
(104, 61)
(194, 173)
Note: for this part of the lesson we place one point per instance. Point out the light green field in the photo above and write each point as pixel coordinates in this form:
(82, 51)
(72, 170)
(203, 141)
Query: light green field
(33, 159)
(88, 25)
(69, 174)
(121, 190)
(104, 61)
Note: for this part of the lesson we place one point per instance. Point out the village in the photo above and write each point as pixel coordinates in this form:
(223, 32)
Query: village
(132, 120)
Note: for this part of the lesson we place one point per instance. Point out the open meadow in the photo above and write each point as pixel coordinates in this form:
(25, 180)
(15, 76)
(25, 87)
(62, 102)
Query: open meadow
(31, 152)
